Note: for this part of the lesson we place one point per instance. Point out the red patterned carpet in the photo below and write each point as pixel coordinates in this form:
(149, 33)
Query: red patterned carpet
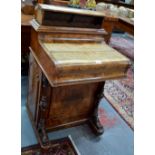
(124, 45)
(64, 146)
(120, 93)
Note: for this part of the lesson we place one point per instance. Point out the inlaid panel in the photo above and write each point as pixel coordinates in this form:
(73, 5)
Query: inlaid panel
(71, 103)
(34, 74)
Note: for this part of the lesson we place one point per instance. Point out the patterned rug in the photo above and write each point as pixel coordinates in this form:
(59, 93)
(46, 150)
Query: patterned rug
(124, 44)
(64, 146)
(106, 119)
(120, 93)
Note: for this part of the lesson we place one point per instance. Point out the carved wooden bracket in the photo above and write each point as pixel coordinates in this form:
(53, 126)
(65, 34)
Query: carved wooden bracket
(44, 100)
(94, 121)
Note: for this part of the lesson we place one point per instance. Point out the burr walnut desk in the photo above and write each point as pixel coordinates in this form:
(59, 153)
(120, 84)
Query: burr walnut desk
(68, 67)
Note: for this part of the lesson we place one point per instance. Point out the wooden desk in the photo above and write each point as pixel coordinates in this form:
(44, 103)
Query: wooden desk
(68, 69)
(125, 24)
(25, 41)
(25, 32)
(121, 23)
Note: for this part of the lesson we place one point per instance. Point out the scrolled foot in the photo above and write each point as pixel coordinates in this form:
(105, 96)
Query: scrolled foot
(97, 126)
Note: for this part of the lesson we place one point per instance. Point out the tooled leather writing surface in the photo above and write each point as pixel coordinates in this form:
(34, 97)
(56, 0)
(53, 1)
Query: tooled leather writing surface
(70, 54)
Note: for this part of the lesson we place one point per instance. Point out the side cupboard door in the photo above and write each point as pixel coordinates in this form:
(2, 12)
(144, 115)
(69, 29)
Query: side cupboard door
(34, 86)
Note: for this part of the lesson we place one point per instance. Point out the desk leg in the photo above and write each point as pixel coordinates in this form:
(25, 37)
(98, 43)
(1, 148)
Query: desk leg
(94, 121)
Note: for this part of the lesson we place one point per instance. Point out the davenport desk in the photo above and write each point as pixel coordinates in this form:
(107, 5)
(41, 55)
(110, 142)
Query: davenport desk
(68, 66)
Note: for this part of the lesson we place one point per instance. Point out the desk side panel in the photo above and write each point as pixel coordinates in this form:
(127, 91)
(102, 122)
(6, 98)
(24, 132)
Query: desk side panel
(33, 90)
(71, 105)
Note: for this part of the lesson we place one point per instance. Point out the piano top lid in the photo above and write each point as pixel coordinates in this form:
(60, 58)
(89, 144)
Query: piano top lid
(63, 9)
